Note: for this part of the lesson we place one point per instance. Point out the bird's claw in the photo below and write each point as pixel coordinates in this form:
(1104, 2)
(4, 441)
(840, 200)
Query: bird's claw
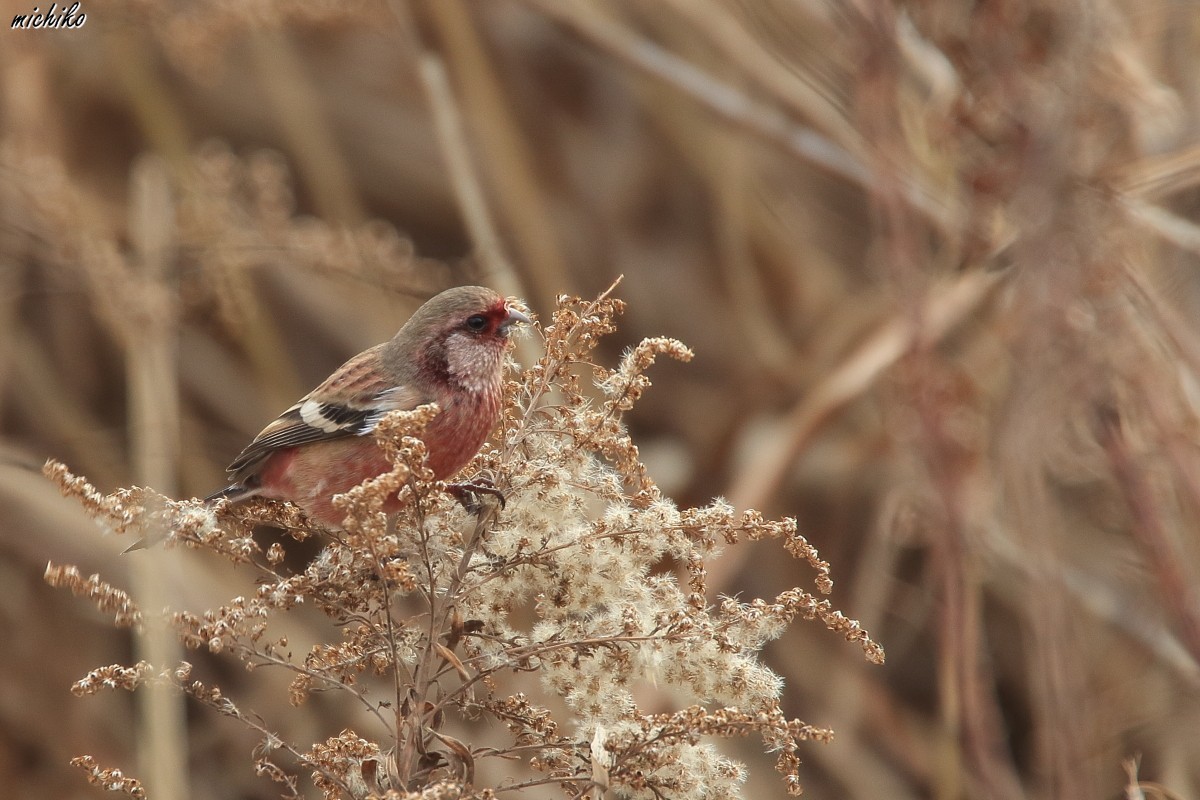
(468, 493)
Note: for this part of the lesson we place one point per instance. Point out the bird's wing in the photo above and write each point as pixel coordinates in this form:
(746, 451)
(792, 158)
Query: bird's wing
(350, 402)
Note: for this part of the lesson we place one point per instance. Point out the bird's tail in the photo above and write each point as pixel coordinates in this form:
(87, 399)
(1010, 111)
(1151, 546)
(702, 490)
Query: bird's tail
(233, 492)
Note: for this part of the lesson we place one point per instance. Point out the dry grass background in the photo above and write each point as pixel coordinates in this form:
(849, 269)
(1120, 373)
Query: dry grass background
(935, 259)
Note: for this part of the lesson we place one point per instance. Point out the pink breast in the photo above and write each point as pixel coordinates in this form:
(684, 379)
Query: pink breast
(456, 434)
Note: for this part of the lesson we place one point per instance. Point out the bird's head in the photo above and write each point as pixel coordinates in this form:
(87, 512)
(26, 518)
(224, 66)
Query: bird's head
(458, 337)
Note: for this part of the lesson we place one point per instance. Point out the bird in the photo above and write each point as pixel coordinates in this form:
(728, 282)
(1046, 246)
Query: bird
(450, 352)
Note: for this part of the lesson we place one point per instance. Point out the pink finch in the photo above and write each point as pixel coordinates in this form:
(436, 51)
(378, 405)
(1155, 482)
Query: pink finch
(451, 352)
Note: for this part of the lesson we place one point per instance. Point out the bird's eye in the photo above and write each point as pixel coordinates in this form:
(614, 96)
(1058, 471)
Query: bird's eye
(477, 322)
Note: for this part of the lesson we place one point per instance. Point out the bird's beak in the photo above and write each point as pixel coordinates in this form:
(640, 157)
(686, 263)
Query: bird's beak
(514, 316)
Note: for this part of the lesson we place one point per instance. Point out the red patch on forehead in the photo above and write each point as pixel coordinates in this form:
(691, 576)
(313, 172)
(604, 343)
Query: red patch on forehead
(498, 311)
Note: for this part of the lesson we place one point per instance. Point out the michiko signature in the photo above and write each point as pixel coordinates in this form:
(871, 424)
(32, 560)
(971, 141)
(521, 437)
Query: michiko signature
(55, 17)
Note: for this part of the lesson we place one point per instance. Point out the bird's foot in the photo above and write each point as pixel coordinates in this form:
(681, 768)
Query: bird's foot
(470, 494)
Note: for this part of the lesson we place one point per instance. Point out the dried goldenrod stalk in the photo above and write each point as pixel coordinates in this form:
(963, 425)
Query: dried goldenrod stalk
(445, 612)
(111, 779)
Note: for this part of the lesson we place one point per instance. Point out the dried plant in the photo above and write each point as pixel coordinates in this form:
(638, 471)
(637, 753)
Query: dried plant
(553, 613)
(938, 259)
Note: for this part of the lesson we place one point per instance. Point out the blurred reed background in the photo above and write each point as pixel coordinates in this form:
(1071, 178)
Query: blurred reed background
(937, 261)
